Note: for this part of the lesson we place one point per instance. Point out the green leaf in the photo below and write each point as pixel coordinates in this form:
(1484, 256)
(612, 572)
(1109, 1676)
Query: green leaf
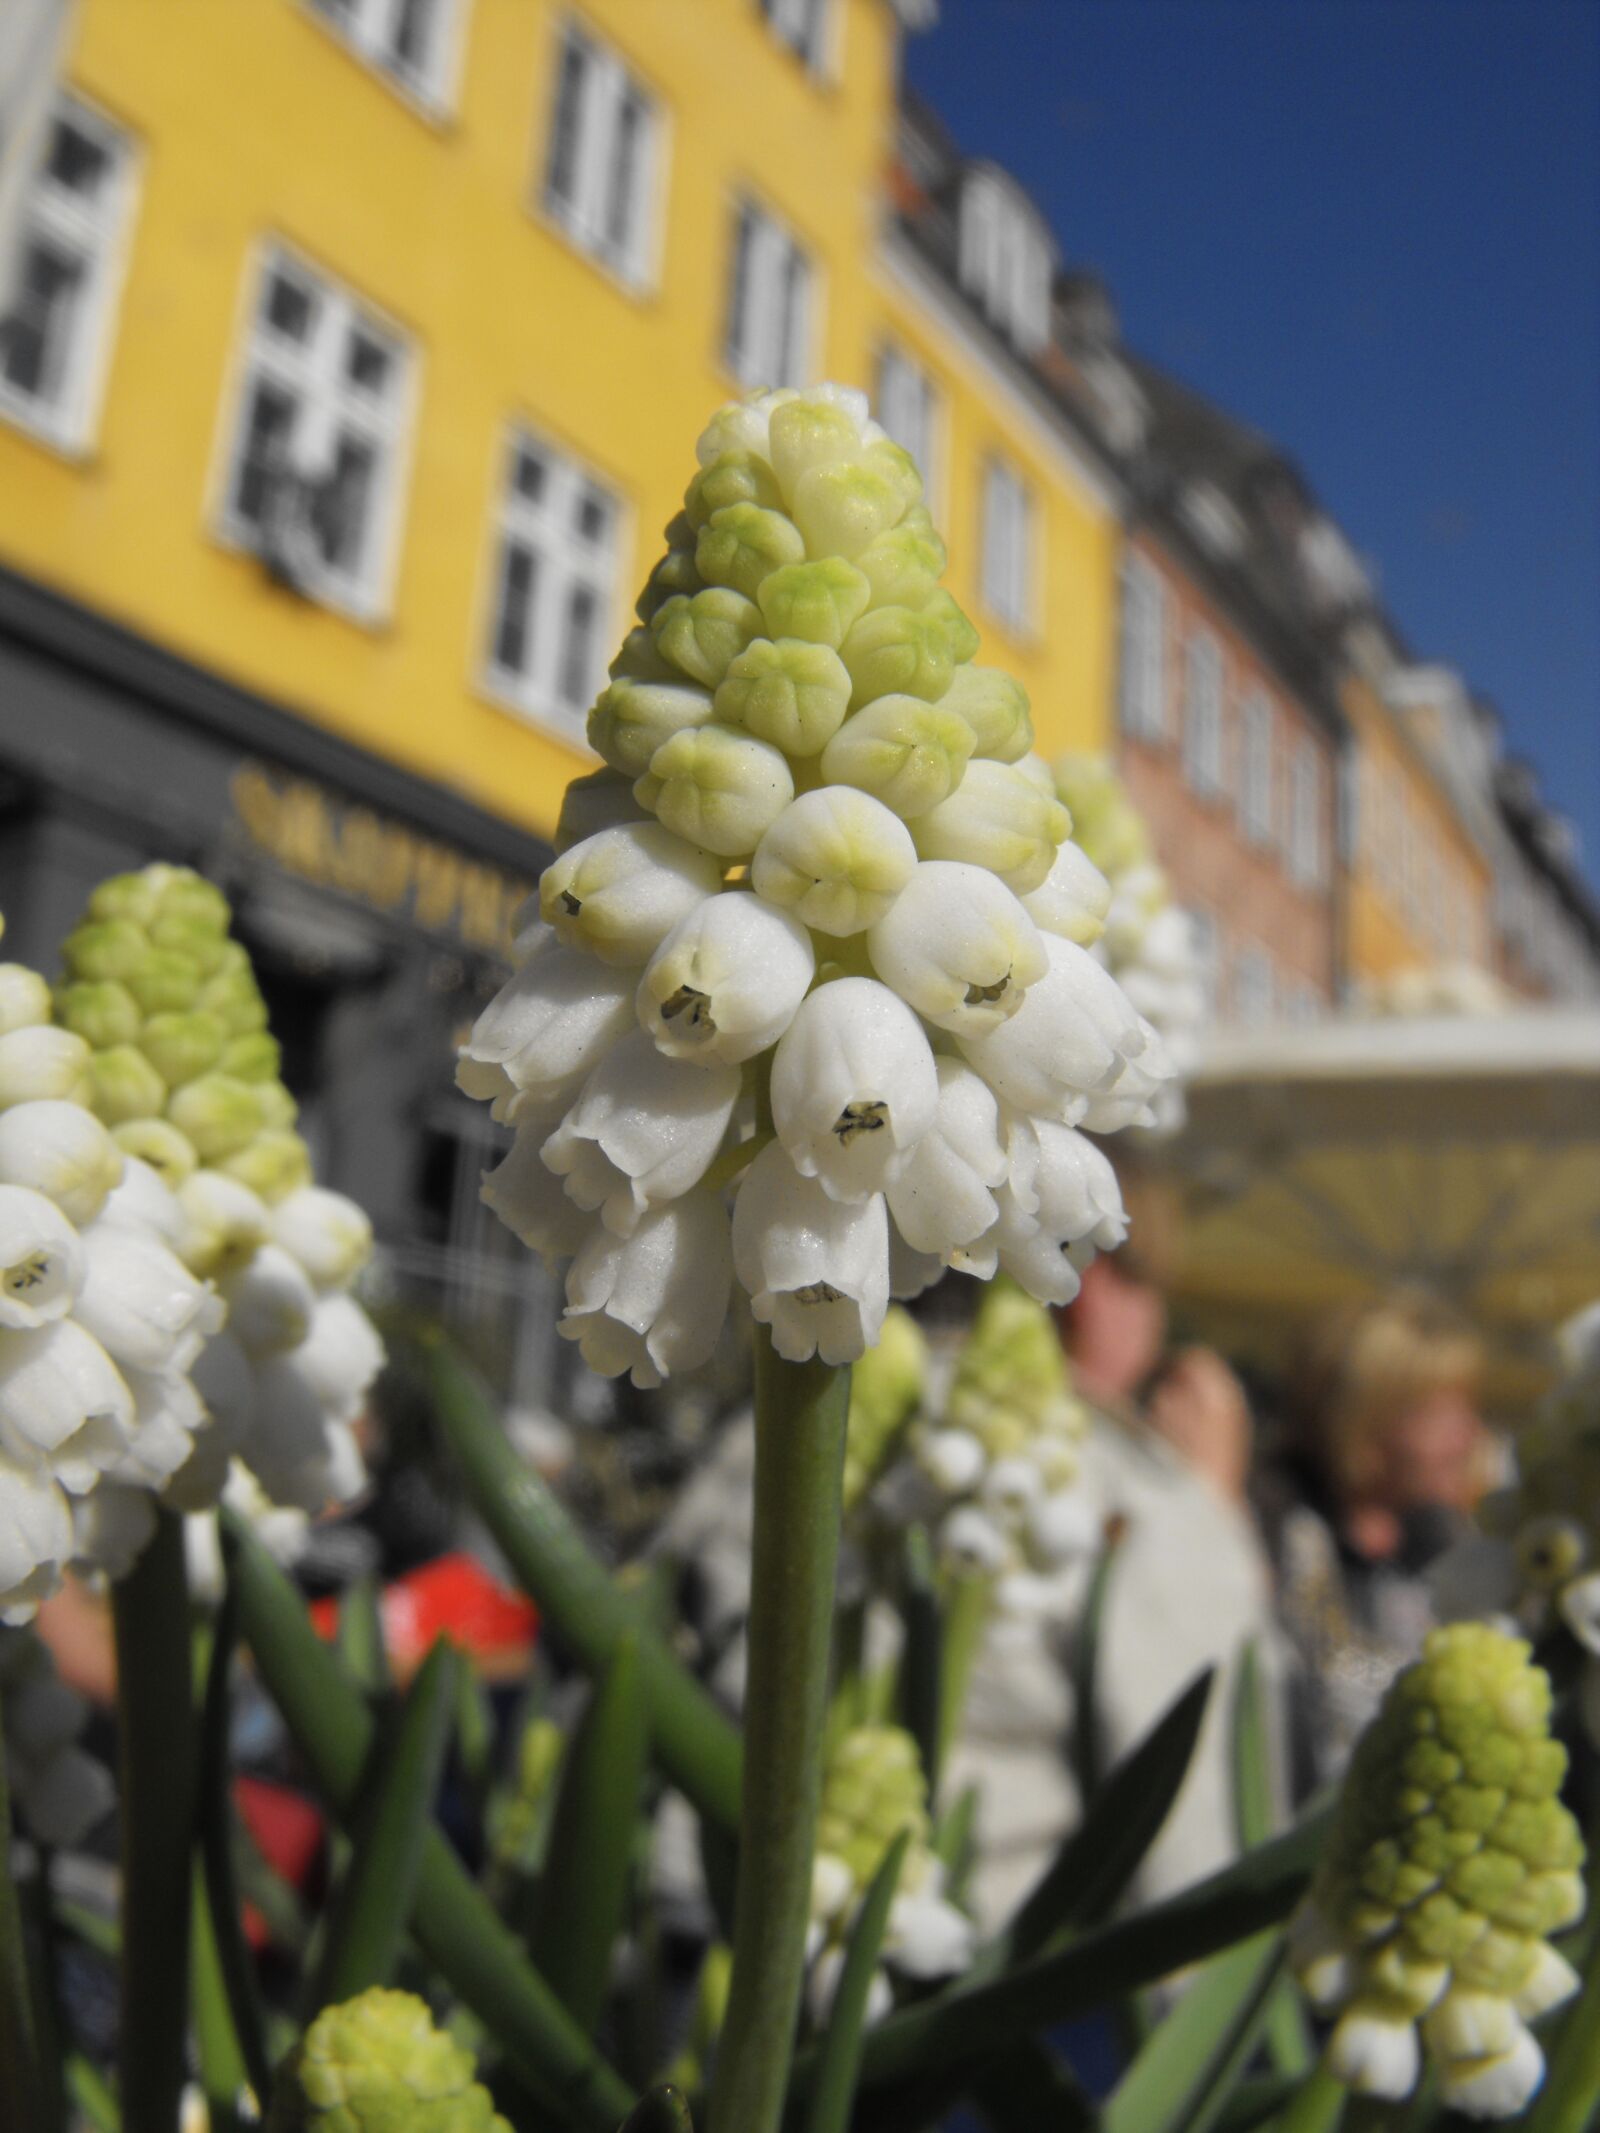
(585, 1884)
(1180, 2080)
(1316, 2106)
(1095, 1864)
(839, 2058)
(696, 1744)
(1086, 1734)
(360, 1640)
(662, 2110)
(966, 1612)
(235, 1968)
(223, 2073)
(91, 2092)
(955, 1840)
(1288, 2035)
(391, 1824)
(920, 1657)
(956, 2030)
(453, 1923)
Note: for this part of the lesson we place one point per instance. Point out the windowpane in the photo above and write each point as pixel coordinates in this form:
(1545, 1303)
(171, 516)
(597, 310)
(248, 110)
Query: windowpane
(553, 571)
(561, 175)
(367, 362)
(577, 662)
(519, 579)
(35, 334)
(289, 307)
(619, 217)
(529, 476)
(269, 423)
(75, 160)
(598, 177)
(593, 515)
(343, 503)
(412, 34)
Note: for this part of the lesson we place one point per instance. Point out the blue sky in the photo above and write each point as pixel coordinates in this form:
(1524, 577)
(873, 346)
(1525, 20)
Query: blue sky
(1372, 229)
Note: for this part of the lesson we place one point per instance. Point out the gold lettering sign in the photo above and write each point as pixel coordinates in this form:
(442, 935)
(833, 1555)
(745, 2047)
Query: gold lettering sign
(311, 834)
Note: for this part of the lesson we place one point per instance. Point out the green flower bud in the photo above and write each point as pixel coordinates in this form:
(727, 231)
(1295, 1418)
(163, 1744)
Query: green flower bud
(169, 1153)
(132, 898)
(806, 433)
(186, 934)
(235, 999)
(906, 753)
(840, 509)
(277, 1107)
(819, 601)
(100, 1011)
(377, 2064)
(675, 573)
(124, 1085)
(904, 565)
(275, 1164)
(632, 719)
(1010, 1384)
(164, 983)
(106, 948)
(180, 1047)
(897, 651)
(735, 477)
(886, 1389)
(718, 788)
(24, 997)
(640, 658)
(1104, 820)
(702, 634)
(188, 899)
(602, 800)
(960, 632)
(786, 691)
(742, 542)
(995, 707)
(257, 1057)
(218, 1114)
(873, 1788)
(999, 819)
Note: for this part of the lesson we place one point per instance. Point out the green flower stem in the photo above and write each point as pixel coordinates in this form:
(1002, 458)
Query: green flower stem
(155, 1711)
(223, 2074)
(800, 1438)
(19, 2074)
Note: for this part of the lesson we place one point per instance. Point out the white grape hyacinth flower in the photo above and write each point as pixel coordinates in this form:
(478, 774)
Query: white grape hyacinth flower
(943, 1199)
(816, 1268)
(621, 891)
(643, 1131)
(957, 946)
(652, 1302)
(854, 1087)
(726, 981)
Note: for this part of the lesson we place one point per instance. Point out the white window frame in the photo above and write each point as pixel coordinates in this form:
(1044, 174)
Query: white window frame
(583, 211)
(1308, 849)
(1142, 671)
(805, 27)
(367, 29)
(1005, 258)
(328, 408)
(768, 305)
(97, 234)
(564, 564)
(1204, 691)
(907, 402)
(1010, 568)
(1256, 754)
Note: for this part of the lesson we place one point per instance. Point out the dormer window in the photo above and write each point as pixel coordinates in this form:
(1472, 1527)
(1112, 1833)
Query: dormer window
(1007, 257)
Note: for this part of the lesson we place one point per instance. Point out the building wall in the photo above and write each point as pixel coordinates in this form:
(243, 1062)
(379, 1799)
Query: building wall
(255, 120)
(1417, 886)
(1245, 889)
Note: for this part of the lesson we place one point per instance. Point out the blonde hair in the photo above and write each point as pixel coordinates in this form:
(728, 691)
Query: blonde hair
(1365, 1366)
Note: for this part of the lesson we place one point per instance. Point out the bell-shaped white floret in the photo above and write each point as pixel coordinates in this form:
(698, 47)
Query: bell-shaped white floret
(836, 858)
(958, 947)
(1373, 2054)
(717, 787)
(643, 1130)
(816, 1269)
(1073, 898)
(726, 981)
(632, 718)
(905, 752)
(620, 891)
(999, 819)
(550, 1023)
(225, 1223)
(24, 998)
(853, 1087)
(1066, 1040)
(63, 1402)
(36, 1538)
(40, 1064)
(270, 1303)
(529, 1199)
(63, 1151)
(327, 1232)
(42, 1263)
(944, 1196)
(652, 1303)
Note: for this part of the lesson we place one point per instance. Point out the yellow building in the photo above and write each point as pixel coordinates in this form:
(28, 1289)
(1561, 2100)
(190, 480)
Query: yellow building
(1418, 883)
(393, 322)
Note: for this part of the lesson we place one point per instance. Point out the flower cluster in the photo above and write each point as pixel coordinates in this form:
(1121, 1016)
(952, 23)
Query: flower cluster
(820, 919)
(1148, 942)
(100, 1320)
(59, 1790)
(873, 1788)
(184, 1073)
(1451, 1860)
(993, 1473)
(377, 2064)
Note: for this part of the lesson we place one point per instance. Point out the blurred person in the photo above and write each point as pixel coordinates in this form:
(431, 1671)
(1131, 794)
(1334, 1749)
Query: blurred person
(1387, 1457)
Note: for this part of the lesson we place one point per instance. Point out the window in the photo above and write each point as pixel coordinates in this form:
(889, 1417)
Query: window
(314, 469)
(412, 41)
(1007, 565)
(56, 331)
(906, 406)
(1307, 856)
(600, 171)
(1207, 959)
(554, 584)
(1354, 796)
(768, 335)
(802, 25)
(1005, 257)
(1143, 670)
(1202, 713)
(1255, 768)
(1253, 988)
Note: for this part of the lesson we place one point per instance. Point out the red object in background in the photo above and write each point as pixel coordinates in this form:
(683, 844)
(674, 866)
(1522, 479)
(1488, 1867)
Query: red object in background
(287, 1831)
(454, 1597)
